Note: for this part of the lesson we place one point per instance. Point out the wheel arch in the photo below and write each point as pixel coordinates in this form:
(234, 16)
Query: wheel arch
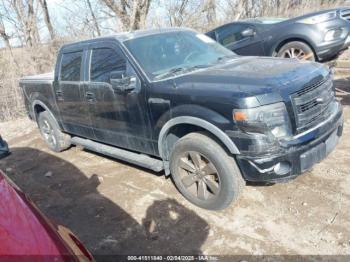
(38, 107)
(285, 41)
(193, 124)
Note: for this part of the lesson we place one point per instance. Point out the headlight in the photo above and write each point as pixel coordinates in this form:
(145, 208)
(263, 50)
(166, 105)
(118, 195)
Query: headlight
(333, 34)
(270, 119)
(319, 18)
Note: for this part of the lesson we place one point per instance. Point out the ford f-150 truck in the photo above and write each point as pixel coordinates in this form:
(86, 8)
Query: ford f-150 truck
(175, 100)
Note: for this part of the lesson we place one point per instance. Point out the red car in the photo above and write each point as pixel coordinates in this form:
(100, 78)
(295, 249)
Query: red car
(27, 235)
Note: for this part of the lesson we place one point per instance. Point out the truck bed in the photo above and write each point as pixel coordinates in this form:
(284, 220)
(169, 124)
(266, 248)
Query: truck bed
(41, 77)
(38, 87)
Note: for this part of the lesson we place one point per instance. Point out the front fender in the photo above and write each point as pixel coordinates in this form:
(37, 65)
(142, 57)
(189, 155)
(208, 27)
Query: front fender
(196, 121)
(220, 120)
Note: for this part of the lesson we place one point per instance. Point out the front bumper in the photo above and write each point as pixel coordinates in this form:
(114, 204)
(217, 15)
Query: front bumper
(298, 155)
(326, 51)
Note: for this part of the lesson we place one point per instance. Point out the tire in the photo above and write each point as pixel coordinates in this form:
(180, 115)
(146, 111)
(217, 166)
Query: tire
(228, 181)
(298, 50)
(55, 139)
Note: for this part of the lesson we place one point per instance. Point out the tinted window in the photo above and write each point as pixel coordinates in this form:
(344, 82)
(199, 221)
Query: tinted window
(231, 33)
(70, 66)
(160, 53)
(211, 35)
(105, 61)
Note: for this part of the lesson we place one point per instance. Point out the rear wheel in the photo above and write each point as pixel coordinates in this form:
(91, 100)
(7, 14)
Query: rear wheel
(298, 50)
(50, 131)
(204, 173)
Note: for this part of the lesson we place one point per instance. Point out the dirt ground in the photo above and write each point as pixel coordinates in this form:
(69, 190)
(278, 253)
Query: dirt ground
(117, 208)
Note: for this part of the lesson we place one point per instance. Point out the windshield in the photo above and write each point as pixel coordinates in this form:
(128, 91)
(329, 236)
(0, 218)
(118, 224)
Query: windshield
(164, 54)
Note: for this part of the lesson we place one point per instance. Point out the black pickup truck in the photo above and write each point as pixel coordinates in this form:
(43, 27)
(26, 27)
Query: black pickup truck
(175, 100)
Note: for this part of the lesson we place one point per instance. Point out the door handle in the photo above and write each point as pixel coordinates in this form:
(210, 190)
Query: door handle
(59, 95)
(90, 97)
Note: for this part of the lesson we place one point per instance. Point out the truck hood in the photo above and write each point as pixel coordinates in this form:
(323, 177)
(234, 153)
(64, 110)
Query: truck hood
(261, 77)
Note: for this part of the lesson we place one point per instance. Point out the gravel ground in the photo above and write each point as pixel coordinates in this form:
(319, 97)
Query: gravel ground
(117, 208)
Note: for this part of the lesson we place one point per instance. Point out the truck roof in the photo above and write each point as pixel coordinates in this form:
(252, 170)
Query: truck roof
(124, 36)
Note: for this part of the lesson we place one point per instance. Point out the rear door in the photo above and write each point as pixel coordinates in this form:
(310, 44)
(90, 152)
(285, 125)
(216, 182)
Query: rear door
(116, 98)
(232, 37)
(68, 92)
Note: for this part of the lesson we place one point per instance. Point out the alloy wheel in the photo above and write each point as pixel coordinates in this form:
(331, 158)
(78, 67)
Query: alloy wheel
(48, 133)
(296, 53)
(199, 176)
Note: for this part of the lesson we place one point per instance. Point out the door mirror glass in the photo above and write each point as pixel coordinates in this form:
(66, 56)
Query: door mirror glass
(120, 82)
(249, 32)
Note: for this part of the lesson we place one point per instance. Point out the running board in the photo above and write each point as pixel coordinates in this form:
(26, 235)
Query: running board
(122, 154)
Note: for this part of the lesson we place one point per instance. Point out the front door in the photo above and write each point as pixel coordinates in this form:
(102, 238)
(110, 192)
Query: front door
(69, 94)
(232, 36)
(116, 99)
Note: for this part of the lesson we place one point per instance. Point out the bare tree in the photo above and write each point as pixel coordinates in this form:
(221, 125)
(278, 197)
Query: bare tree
(26, 20)
(210, 11)
(94, 19)
(177, 12)
(5, 37)
(47, 18)
(131, 13)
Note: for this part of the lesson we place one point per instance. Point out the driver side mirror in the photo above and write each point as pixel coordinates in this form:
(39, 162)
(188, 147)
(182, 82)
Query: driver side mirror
(249, 32)
(122, 83)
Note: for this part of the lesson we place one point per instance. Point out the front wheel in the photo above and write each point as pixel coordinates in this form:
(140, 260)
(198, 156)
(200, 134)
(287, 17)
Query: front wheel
(297, 50)
(204, 173)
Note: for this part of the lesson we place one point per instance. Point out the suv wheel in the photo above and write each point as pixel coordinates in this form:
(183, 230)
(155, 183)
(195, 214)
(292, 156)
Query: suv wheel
(50, 131)
(204, 173)
(298, 50)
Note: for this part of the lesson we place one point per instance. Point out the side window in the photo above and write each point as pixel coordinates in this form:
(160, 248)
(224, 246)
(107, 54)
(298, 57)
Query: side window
(70, 66)
(231, 34)
(211, 35)
(106, 62)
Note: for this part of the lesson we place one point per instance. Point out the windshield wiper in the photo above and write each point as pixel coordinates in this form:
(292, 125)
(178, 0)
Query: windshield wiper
(180, 70)
(172, 71)
(221, 58)
(198, 67)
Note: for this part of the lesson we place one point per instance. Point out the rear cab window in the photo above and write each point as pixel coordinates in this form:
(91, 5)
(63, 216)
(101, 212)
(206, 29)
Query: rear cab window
(71, 66)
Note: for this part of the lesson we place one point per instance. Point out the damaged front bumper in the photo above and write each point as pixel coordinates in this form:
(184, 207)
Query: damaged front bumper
(295, 156)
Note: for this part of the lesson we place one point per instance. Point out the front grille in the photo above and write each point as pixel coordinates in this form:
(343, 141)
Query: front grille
(312, 103)
(345, 14)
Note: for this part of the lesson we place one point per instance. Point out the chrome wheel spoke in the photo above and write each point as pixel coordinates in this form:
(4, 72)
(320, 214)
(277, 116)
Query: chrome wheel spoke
(187, 165)
(53, 139)
(202, 191)
(208, 169)
(300, 55)
(288, 54)
(45, 130)
(196, 159)
(189, 180)
(214, 187)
